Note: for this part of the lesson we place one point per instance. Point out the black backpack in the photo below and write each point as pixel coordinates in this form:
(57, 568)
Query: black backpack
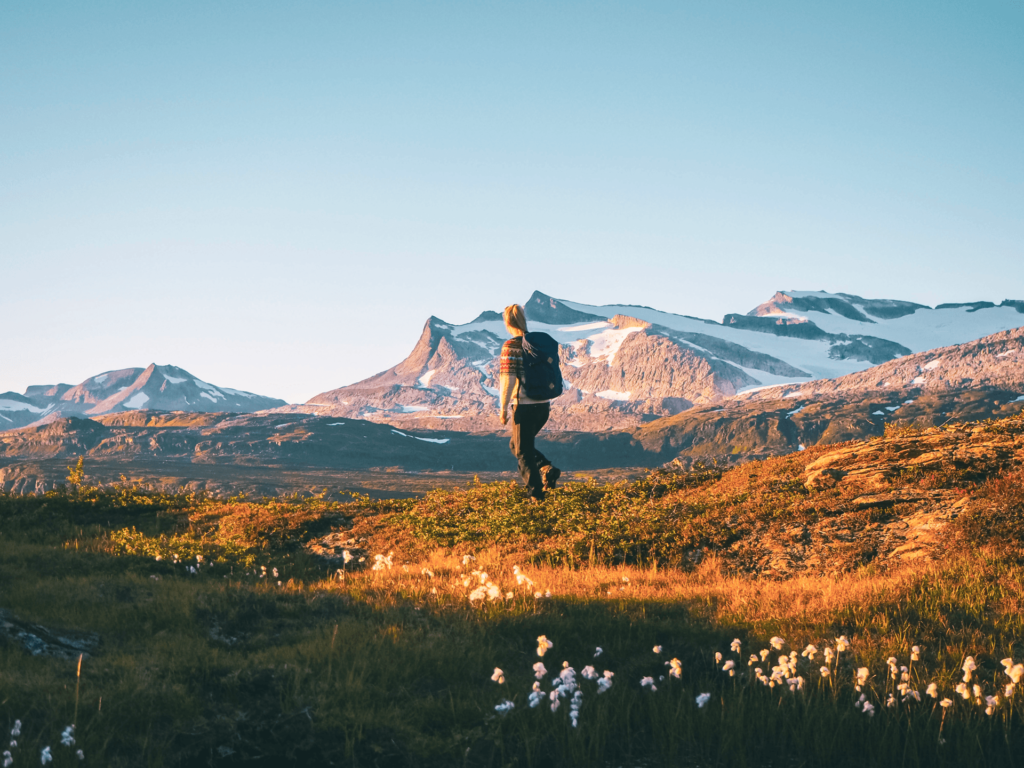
(542, 378)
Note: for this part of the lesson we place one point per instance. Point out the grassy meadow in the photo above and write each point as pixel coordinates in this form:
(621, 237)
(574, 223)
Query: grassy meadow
(225, 641)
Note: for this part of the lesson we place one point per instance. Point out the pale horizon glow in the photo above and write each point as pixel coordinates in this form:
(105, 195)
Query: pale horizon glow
(275, 197)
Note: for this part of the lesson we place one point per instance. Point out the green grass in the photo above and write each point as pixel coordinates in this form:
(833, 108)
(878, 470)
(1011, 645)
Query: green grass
(393, 667)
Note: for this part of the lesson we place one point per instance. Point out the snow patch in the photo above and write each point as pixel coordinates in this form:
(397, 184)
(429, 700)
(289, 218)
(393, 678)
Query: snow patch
(878, 413)
(336, 424)
(101, 378)
(1005, 354)
(424, 439)
(424, 380)
(932, 365)
(412, 408)
(208, 396)
(611, 394)
(918, 380)
(209, 387)
(173, 379)
(606, 344)
(1018, 400)
(236, 392)
(136, 401)
(892, 408)
(794, 413)
(15, 405)
(802, 447)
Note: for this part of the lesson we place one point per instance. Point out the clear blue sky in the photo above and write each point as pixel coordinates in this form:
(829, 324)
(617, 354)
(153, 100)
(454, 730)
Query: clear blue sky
(275, 196)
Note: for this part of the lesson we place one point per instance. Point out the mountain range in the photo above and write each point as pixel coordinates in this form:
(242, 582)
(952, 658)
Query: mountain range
(157, 387)
(645, 388)
(628, 365)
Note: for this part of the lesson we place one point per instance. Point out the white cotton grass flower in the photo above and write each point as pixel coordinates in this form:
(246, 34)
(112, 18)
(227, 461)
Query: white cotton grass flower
(915, 653)
(648, 682)
(555, 702)
(932, 690)
(825, 671)
(657, 649)
(968, 667)
(992, 702)
(8, 760)
(868, 709)
(863, 673)
(718, 657)
(730, 667)
(891, 701)
(598, 651)
(752, 660)
(544, 645)
(978, 692)
(1009, 690)
(1016, 673)
(45, 757)
(589, 673)
(829, 654)
(963, 690)
(574, 708)
(427, 573)
(676, 669)
(478, 594)
(536, 696)
(539, 670)
(498, 676)
(735, 645)
(16, 730)
(765, 653)
(347, 556)
(702, 700)
(946, 703)
(777, 643)
(504, 707)
(842, 644)
(467, 559)
(80, 755)
(67, 737)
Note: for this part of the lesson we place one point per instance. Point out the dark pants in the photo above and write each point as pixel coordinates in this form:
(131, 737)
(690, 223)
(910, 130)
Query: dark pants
(527, 421)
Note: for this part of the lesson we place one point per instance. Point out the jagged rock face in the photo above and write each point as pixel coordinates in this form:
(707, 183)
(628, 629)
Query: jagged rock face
(163, 387)
(624, 365)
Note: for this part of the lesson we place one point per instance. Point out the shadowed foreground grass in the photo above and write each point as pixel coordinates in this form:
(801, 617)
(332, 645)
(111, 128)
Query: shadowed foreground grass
(234, 664)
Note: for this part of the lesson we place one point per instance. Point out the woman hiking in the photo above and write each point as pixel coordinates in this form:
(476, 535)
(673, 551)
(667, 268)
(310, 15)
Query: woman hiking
(528, 414)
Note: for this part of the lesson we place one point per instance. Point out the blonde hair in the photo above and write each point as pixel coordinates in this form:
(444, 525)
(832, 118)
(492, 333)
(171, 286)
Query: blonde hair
(515, 317)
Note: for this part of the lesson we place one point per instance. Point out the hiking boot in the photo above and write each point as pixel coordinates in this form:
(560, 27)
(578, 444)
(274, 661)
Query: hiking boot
(550, 475)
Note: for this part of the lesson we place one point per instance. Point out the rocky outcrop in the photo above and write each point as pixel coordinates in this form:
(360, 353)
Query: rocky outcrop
(38, 640)
(882, 501)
